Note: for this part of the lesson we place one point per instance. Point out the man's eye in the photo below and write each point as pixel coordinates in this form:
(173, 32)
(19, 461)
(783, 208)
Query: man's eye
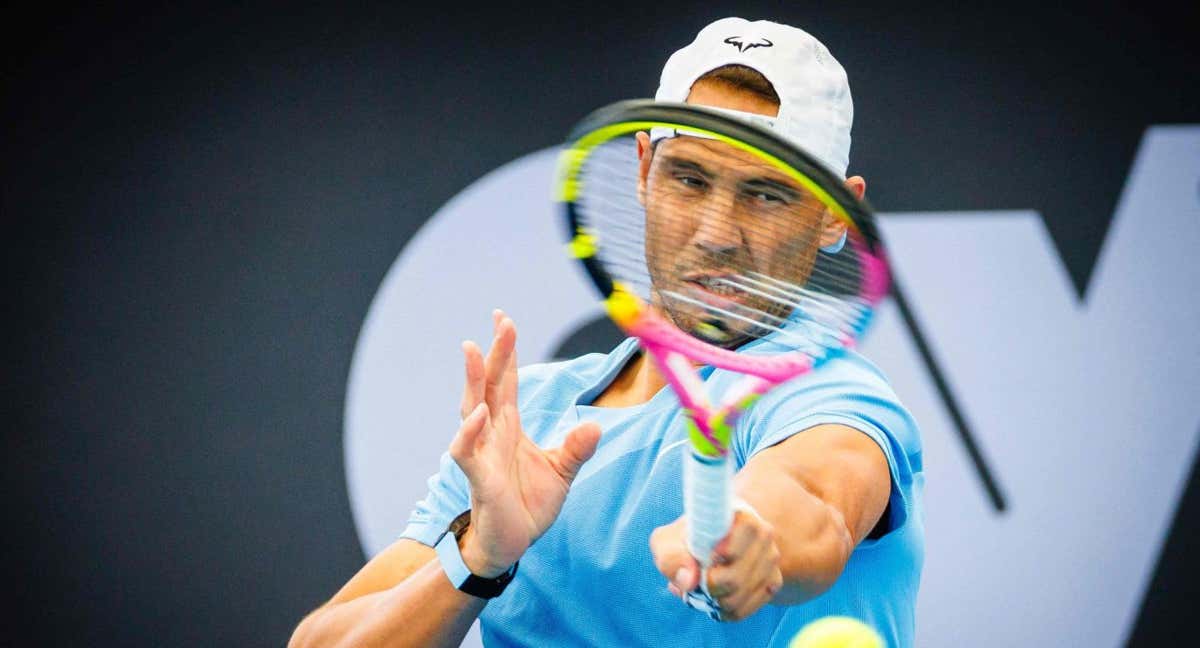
(692, 181)
(769, 197)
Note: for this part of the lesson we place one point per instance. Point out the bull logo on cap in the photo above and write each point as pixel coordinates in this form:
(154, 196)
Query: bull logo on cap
(742, 45)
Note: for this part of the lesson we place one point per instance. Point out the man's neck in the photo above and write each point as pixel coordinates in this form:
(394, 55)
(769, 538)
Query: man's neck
(637, 383)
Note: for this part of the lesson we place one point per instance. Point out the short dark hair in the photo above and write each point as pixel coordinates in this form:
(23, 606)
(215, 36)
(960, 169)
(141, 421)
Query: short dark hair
(742, 78)
(737, 76)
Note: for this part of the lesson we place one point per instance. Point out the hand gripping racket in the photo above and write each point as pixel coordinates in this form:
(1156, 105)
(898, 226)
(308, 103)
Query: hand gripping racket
(720, 244)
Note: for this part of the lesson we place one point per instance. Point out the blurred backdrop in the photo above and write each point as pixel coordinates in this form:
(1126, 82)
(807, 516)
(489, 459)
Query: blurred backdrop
(243, 244)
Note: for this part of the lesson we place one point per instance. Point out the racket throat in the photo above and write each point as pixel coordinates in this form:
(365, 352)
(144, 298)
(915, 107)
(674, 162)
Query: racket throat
(712, 436)
(708, 437)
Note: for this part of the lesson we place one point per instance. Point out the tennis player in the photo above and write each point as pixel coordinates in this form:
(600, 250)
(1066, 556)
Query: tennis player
(556, 516)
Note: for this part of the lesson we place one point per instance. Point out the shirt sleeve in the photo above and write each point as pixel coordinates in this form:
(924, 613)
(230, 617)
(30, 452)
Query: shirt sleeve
(851, 393)
(449, 491)
(449, 495)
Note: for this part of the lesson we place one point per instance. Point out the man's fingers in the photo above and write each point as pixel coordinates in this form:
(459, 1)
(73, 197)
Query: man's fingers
(499, 357)
(578, 447)
(737, 556)
(508, 381)
(723, 582)
(462, 448)
(473, 386)
(737, 587)
(672, 559)
(747, 602)
(747, 532)
(748, 575)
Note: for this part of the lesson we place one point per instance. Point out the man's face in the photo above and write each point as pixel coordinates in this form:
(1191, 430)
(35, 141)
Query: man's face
(719, 220)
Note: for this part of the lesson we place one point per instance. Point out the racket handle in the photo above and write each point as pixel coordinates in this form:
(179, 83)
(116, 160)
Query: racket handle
(707, 501)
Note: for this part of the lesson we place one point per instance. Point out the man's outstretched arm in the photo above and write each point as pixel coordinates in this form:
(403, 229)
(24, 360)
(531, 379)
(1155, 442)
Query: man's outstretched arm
(815, 496)
(400, 598)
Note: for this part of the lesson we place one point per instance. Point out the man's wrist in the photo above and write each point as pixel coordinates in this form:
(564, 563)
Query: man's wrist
(473, 558)
(449, 550)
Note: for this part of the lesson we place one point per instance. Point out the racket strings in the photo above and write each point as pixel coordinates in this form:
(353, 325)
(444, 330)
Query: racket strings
(811, 340)
(797, 296)
(833, 315)
(811, 305)
(726, 251)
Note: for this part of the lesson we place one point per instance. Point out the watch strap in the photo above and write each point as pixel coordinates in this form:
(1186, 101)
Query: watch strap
(460, 575)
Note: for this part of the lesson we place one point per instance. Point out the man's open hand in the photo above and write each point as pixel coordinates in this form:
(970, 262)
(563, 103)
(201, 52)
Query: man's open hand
(517, 489)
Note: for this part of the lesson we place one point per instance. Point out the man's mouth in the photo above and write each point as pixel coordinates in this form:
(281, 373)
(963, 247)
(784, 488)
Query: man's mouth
(717, 290)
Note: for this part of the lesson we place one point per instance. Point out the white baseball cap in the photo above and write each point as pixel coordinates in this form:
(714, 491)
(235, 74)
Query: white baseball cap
(815, 109)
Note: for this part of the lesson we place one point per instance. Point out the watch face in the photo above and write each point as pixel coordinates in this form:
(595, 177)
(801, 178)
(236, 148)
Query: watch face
(459, 525)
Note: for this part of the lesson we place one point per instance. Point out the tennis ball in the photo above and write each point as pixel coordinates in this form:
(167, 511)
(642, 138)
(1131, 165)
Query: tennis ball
(837, 632)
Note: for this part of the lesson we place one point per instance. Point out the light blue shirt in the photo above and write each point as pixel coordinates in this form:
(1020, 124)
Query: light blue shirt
(591, 581)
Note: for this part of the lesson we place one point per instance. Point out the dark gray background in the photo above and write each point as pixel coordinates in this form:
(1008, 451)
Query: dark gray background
(200, 203)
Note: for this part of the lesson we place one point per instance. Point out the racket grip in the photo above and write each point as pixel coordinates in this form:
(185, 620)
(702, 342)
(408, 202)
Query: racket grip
(707, 501)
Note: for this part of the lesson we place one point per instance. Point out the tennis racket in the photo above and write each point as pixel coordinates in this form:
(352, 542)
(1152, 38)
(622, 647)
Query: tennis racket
(723, 245)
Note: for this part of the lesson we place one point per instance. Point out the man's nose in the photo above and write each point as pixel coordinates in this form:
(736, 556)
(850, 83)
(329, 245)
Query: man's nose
(718, 231)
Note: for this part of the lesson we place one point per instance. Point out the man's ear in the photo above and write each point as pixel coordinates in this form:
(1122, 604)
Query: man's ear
(644, 153)
(832, 228)
(857, 186)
